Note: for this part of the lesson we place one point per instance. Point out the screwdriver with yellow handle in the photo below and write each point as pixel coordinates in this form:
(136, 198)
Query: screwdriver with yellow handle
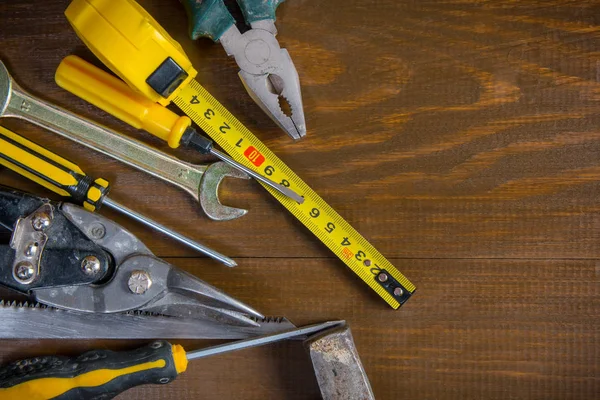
(104, 374)
(67, 179)
(112, 95)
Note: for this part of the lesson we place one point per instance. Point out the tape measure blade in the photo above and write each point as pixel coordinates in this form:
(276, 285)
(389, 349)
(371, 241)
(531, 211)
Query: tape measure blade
(320, 218)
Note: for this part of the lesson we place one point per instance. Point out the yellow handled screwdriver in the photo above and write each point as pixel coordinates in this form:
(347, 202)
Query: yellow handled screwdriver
(67, 179)
(112, 95)
(108, 373)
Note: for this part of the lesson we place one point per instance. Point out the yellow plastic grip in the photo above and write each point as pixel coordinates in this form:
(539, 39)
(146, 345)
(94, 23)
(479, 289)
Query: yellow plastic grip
(95, 374)
(180, 358)
(128, 41)
(96, 194)
(52, 387)
(50, 170)
(112, 95)
(38, 164)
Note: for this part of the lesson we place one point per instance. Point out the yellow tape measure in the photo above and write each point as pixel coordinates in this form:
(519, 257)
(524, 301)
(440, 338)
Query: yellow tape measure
(135, 47)
(322, 220)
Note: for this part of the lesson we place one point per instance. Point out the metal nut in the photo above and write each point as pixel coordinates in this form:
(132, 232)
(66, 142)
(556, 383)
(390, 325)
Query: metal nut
(139, 282)
(31, 249)
(90, 265)
(24, 272)
(41, 221)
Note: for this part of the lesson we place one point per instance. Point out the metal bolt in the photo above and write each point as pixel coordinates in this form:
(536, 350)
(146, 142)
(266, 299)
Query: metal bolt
(24, 271)
(97, 231)
(382, 277)
(41, 221)
(90, 265)
(139, 282)
(367, 263)
(398, 292)
(31, 249)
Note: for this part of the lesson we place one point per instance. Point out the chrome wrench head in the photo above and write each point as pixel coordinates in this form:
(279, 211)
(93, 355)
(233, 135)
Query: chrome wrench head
(208, 192)
(5, 88)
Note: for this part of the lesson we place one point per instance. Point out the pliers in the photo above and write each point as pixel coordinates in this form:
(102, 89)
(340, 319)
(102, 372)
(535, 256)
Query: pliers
(266, 70)
(69, 258)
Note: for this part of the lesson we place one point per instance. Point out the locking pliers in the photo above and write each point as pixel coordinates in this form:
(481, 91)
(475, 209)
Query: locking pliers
(66, 257)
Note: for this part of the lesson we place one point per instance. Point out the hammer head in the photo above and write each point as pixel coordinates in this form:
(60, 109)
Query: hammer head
(337, 365)
(208, 192)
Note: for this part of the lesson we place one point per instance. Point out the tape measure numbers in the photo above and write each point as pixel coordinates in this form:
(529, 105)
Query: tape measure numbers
(134, 46)
(322, 220)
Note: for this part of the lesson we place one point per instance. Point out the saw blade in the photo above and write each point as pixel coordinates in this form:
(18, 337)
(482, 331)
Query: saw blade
(37, 321)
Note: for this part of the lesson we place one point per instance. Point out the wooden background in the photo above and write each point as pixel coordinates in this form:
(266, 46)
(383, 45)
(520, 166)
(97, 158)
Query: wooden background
(460, 137)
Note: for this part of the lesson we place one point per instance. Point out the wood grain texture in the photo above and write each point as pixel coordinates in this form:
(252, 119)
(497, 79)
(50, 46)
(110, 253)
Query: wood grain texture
(461, 138)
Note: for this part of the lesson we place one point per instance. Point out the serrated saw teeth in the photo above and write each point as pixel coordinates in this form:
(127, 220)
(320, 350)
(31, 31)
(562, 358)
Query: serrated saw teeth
(32, 320)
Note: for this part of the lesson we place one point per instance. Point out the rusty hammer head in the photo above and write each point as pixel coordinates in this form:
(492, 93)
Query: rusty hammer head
(337, 365)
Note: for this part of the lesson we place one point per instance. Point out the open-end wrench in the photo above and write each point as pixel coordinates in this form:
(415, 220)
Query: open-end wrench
(201, 181)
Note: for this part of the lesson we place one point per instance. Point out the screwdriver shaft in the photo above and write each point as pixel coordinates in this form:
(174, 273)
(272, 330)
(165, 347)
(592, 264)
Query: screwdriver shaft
(172, 234)
(262, 340)
(280, 188)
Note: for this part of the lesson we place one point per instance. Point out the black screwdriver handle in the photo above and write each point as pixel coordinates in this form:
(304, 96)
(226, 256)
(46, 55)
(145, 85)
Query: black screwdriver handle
(95, 375)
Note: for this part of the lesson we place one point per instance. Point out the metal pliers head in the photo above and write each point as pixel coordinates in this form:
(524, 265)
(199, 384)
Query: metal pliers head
(267, 70)
(67, 257)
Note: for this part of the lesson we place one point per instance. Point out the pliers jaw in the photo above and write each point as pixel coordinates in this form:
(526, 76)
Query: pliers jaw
(124, 276)
(269, 76)
(266, 69)
(271, 91)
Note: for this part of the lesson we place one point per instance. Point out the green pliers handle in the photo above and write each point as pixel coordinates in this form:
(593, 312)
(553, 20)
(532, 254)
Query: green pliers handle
(207, 18)
(211, 18)
(257, 10)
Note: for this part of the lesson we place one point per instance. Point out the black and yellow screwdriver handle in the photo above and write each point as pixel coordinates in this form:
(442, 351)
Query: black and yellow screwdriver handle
(50, 170)
(99, 374)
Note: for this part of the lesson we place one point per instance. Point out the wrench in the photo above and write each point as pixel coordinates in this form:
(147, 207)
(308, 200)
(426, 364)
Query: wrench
(201, 181)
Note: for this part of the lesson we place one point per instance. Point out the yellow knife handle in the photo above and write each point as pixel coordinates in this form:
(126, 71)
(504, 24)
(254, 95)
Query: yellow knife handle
(50, 170)
(93, 375)
(112, 95)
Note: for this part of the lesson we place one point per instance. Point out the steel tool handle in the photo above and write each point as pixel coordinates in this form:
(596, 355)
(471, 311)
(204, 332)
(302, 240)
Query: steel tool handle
(112, 95)
(257, 10)
(50, 170)
(207, 18)
(106, 141)
(95, 374)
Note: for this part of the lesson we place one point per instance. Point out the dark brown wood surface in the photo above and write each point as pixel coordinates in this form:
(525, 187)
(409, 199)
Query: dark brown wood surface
(461, 138)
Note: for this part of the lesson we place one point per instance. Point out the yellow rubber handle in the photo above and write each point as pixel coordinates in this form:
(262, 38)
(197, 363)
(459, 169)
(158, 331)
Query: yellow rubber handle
(131, 43)
(112, 95)
(50, 170)
(95, 374)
